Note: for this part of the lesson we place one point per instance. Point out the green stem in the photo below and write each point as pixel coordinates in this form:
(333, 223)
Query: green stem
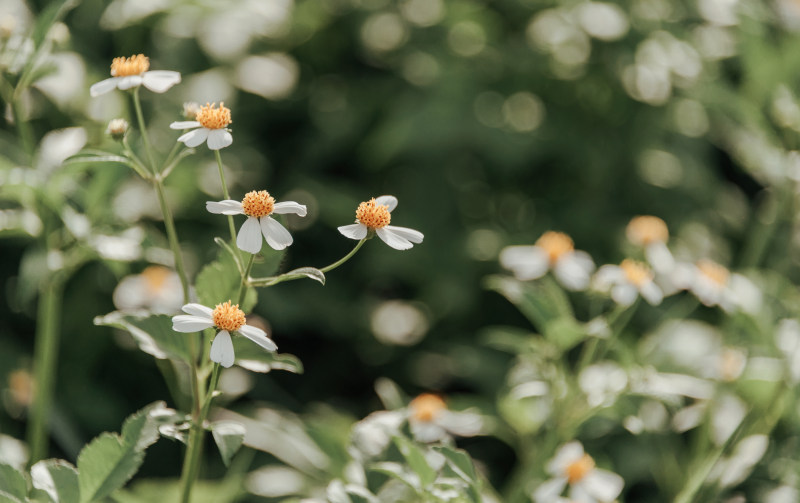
(345, 258)
(143, 130)
(225, 193)
(172, 236)
(776, 207)
(23, 127)
(191, 462)
(274, 280)
(245, 279)
(44, 368)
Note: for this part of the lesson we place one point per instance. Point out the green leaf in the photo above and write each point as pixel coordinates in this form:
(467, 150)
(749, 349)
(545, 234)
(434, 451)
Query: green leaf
(416, 460)
(460, 461)
(44, 21)
(253, 357)
(110, 460)
(9, 498)
(12, 482)
(83, 159)
(564, 332)
(397, 472)
(219, 282)
(302, 272)
(58, 478)
(153, 334)
(229, 436)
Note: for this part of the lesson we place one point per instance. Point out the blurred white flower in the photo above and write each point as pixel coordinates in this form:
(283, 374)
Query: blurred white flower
(788, 341)
(156, 289)
(626, 281)
(652, 233)
(210, 126)
(126, 247)
(127, 73)
(226, 318)
(602, 383)
(374, 216)
(715, 285)
(553, 250)
(374, 433)
(604, 21)
(588, 484)
(431, 421)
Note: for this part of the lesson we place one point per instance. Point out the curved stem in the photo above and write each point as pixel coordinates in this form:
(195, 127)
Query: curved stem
(225, 193)
(143, 130)
(345, 258)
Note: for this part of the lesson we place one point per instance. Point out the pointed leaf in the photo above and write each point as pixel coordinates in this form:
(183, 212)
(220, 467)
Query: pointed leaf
(308, 272)
(415, 459)
(460, 461)
(58, 478)
(12, 482)
(229, 436)
(153, 334)
(253, 357)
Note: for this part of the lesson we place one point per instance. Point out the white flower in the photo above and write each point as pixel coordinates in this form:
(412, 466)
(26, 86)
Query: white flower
(553, 250)
(211, 126)
(225, 318)
(258, 206)
(588, 484)
(127, 73)
(431, 421)
(375, 215)
(715, 285)
(157, 289)
(627, 280)
(652, 233)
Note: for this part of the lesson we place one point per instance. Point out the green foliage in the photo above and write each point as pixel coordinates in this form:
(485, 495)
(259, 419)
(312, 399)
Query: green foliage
(153, 334)
(228, 436)
(219, 282)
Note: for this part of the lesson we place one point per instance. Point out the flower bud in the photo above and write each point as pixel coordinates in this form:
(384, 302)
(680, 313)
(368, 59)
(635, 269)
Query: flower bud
(117, 128)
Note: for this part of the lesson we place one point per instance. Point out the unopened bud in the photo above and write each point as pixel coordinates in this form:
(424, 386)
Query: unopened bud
(190, 109)
(117, 128)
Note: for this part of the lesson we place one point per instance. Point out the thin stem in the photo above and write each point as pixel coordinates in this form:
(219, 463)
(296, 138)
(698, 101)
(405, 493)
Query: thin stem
(23, 127)
(274, 280)
(172, 236)
(245, 278)
(225, 193)
(137, 165)
(345, 258)
(143, 130)
(45, 358)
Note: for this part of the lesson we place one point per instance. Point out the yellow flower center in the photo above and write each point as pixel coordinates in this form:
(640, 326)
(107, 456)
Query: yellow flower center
(577, 470)
(214, 118)
(154, 277)
(556, 244)
(125, 67)
(635, 272)
(426, 407)
(258, 204)
(228, 317)
(373, 215)
(714, 272)
(731, 364)
(647, 229)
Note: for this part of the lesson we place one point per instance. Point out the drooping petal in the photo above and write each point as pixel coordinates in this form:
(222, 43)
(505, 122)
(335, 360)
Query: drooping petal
(651, 293)
(410, 234)
(249, 237)
(129, 82)
(276, 235)
(573, 271)
(396, 241)
(526, 262)
(427, 432)
(159, 81)
(290, 207)
(197, 310)
(549, 491)
(258, 336)
(222, 349)
(187, 323)
(354, 231)
(185, 125)
(463, 424)
(389, 201)
(219, 138)
(103, 87)
(225, 207)
(603, 484)
(607, 276)
(194, 137)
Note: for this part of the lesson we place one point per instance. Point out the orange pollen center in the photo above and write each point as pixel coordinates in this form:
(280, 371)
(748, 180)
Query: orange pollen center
(636, 272)
(647, 229)
(373, 215)
(214, 118)
(228, 317)
(258, 204)
(556, 244)
(154, 277)
(577, 470)
(426, 407)
(714, 272)
(125, 67)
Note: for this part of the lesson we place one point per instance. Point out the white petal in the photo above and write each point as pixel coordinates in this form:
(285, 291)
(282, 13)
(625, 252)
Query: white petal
(185, 125)
(103, 86)
(389, 201)
(290, 207)
(603, 484)
(222, 349)
(188, 323)
(129, 82)
(258, 336)
(607, 276)
(354, 231)
(225, 207)
(624, 294)
(660, 257)
(526, 262)
(276, 235)
(409, 234)
(463, 424)
(651, 293)
(574, 270)
(427, 432)
(550, 490)
(159, 81)
(394, 240)
(249, 238)
(219, 138)
(197, 310)
(195, 137)
(566, 455)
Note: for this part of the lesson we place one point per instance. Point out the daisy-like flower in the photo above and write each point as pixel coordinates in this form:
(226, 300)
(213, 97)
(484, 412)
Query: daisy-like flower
(572, 467)
(210, 125)
(127, 73)
(651, 233)
(553, 250)
(374, 216)
(258, 206)
(156, 289)
(626, 280)
(431, 421)
(226, 318)
(715, 285)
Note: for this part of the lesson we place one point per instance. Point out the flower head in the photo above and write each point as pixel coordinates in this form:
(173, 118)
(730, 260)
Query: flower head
(226, 318)
(431, 421)
(652, 233)
(627, 280)
(117, 128)
(572, 467)
(374, 216)
(156, 289)
(127, 73)
(553, 250)
(715, 285)
(258, 206)
(210, 125)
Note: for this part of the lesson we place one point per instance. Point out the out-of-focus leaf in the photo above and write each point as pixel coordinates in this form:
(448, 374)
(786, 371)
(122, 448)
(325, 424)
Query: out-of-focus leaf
(564, 332)
(540, 301)
(416, 460)
(398, 472)
(58, 478)
(12, 482)
(229, 436)
(219, 282)
(153, 334)
(253, 357)
(460, 461)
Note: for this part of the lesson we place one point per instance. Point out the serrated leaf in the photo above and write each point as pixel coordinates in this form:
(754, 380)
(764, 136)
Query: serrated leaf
(415, 459)
(229, 436)
(58, 478)
(110, 460)
(253, 357)
(219, 282)
(153, 334)
(12, 482)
